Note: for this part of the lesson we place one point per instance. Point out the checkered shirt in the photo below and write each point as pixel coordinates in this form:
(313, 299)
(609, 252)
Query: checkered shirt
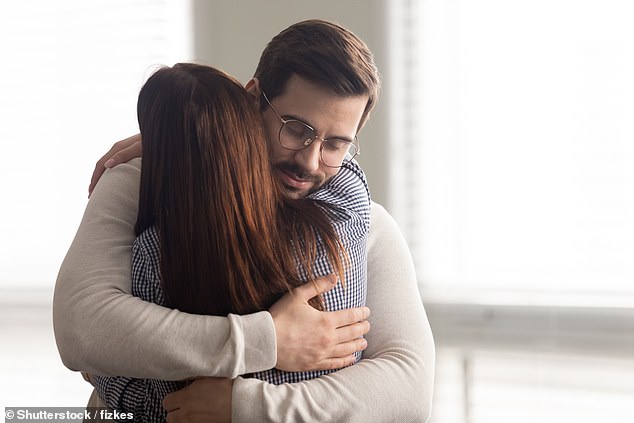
(347, 203)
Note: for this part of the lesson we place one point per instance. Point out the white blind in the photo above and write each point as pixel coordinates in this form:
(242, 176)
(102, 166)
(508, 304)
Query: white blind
(71, 72)
(519, 177)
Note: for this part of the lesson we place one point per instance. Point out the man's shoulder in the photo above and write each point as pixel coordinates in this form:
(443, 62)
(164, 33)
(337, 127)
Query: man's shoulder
(378, 215)
(116, 194)
(135, 163)
(346, 196)
(122, 176)
(349, 182)
(383, 227)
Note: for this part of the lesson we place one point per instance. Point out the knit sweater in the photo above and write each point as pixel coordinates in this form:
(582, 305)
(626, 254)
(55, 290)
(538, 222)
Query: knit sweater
(99, 326)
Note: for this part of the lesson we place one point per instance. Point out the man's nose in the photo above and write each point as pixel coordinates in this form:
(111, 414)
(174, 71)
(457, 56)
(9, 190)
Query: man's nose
(309, 158)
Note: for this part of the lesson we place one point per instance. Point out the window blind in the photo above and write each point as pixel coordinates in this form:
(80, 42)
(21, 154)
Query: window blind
(71, 72)
(518, 184)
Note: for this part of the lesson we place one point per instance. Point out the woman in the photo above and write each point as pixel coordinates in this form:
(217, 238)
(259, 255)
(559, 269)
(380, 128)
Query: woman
(215, 234)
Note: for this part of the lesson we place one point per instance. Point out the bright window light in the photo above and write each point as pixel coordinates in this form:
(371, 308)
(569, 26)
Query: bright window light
(520, 183)
(71, 73)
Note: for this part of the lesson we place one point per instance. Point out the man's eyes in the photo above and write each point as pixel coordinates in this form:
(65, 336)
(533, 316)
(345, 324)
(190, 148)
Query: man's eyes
(300, 131)
(337, 144)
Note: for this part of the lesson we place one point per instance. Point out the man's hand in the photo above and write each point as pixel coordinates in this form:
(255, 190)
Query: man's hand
(88, 378)
(309, 339)
(120, 152)
(205, 400)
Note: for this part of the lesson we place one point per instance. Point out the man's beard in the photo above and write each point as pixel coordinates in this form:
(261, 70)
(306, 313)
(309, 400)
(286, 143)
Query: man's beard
(317, 180)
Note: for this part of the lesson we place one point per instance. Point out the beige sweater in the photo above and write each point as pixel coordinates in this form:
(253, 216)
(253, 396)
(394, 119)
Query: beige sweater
(101, 328)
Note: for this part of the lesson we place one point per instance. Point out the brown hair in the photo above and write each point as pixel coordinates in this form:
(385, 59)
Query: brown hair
(323, 53)
(229, 240)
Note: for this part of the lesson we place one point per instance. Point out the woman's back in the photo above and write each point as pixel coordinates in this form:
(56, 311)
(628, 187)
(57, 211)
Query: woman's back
(215, 235)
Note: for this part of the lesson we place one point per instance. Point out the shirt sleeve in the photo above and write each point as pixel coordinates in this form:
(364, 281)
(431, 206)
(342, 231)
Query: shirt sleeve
(126, 335)
(393, 381)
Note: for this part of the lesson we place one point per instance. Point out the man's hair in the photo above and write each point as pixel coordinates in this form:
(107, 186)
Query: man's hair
(323, 53)
(229, 239)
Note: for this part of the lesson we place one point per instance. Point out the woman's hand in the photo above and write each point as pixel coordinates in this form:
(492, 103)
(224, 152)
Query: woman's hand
(120, 152)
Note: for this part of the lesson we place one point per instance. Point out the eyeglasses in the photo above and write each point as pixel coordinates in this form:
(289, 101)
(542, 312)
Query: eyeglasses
(296, 135)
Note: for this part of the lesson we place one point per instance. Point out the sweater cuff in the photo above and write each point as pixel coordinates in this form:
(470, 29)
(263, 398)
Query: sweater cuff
(260, 348)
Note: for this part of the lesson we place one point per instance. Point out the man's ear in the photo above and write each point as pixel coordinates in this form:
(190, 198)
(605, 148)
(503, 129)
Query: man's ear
(253, 88)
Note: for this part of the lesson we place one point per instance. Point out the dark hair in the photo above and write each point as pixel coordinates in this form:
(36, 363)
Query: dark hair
(323, 53)
(229, 239)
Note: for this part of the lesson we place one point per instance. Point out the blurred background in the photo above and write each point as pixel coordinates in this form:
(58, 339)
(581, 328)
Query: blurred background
(503, 145)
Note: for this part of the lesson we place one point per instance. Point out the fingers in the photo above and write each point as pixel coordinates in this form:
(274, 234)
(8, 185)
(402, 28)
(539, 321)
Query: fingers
(349, 316)
(130, 149)
(96, 174)
(171, 402)
(347, 349)
(172, 416)
(176, 416)
(336, 363)
(351, 332)
(308, 339)
(100, 166)
(343, 354)
(121, 152)
(310, 290)
(348, 340)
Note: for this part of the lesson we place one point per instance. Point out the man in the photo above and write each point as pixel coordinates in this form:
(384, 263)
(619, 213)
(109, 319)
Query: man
(323, 76)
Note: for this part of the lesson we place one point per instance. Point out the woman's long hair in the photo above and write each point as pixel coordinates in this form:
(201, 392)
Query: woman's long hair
(230, 242)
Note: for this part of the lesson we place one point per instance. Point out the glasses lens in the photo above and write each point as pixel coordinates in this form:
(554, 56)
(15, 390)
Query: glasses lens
(296, 135)
(335, 152)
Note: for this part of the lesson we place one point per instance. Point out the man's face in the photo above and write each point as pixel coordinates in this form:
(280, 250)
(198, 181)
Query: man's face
(302, 172)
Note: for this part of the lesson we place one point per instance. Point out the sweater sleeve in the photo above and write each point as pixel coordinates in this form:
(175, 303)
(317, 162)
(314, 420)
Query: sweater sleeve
(394, 380)
(102, 329)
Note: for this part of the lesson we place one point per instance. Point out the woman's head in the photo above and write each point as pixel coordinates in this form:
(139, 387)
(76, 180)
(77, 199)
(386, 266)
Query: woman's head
(199, 126)
(207, 185)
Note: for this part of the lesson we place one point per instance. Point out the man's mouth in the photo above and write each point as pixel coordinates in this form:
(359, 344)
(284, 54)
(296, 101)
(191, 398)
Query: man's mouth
(293, 181)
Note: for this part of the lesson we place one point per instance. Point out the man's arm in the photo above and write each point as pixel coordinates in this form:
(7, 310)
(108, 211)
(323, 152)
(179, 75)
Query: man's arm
(102, 329)
(394, 381)
(94, 314)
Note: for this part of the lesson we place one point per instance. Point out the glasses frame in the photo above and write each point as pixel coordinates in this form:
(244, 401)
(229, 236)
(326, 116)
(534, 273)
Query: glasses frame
(310, 141)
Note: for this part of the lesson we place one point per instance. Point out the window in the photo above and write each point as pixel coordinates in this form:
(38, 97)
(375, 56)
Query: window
(519, 144)
(517, 200)
(71, 72)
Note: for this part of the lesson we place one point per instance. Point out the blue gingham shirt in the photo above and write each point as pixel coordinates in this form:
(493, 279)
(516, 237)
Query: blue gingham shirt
(348, 206)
